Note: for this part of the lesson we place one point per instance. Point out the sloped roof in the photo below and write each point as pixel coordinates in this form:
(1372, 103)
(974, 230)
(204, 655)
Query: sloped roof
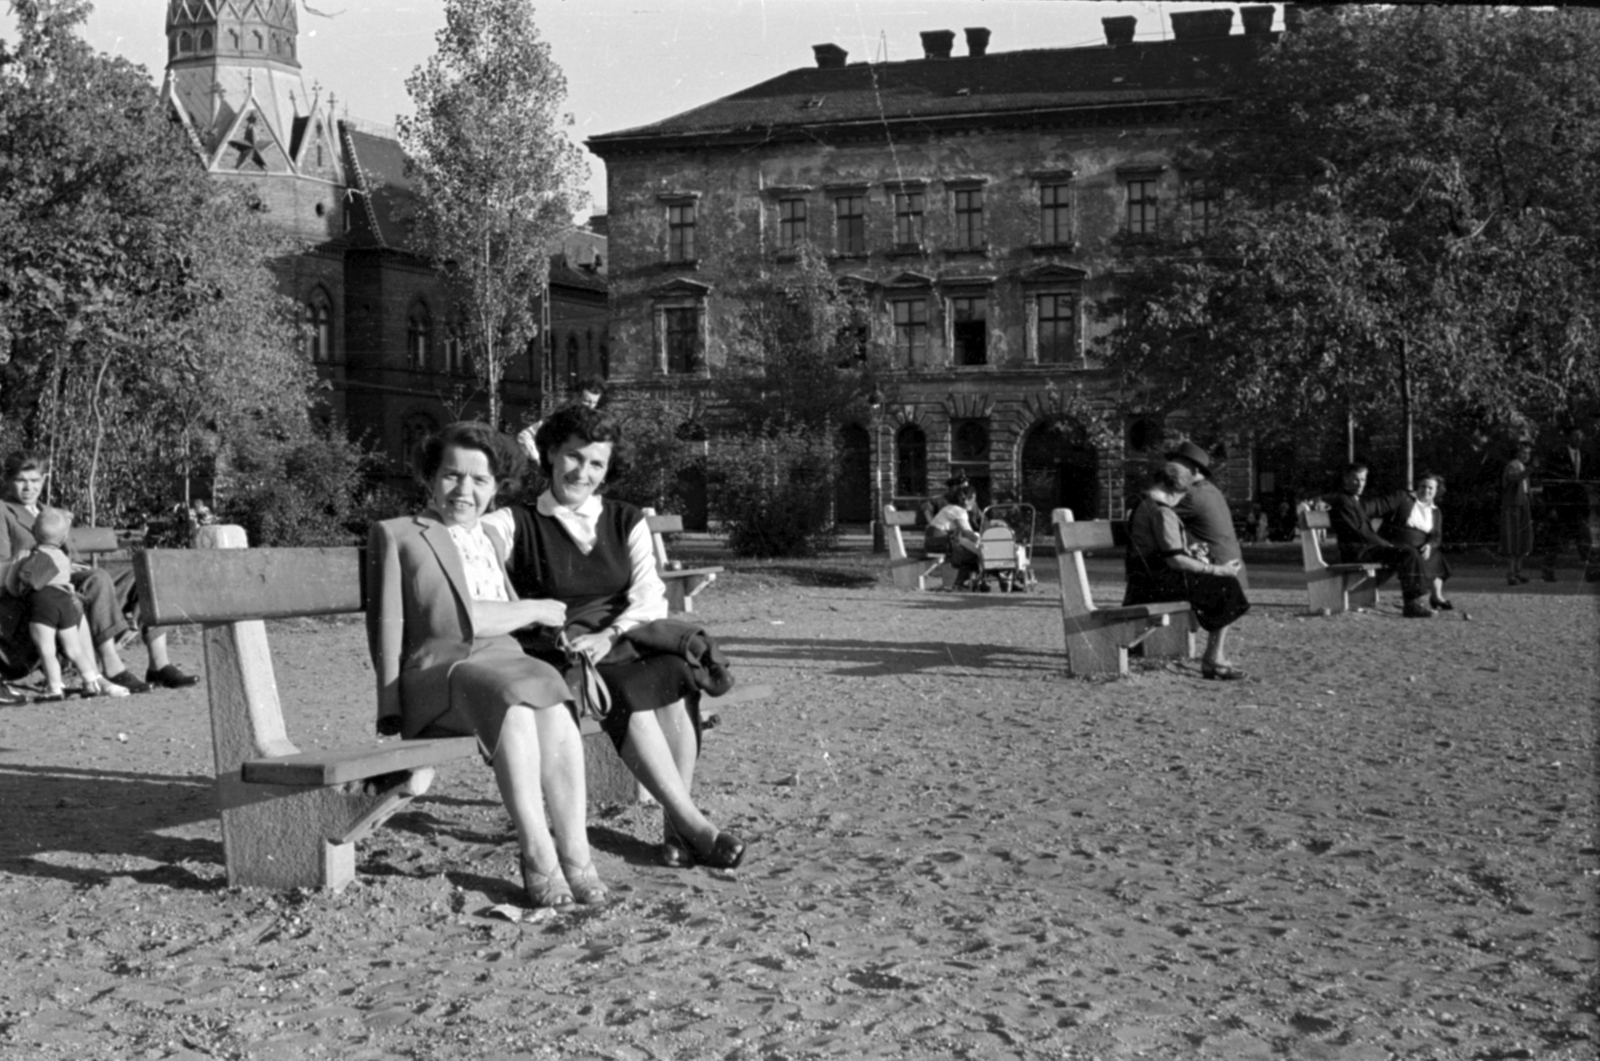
(961, 87)
(382, 188)
(212, 95)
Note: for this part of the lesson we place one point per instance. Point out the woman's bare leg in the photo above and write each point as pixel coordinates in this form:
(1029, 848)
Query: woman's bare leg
(663, 761)
(518, 763)
(44, 639)
(566, 791)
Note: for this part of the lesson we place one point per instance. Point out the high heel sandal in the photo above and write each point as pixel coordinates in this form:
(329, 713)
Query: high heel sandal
(585, 883)
(545, 889)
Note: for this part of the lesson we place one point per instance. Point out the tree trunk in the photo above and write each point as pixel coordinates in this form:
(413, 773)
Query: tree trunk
(1406, 413)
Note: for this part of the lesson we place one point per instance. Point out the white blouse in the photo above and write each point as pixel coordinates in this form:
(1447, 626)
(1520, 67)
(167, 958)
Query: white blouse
(647, 594)
(486, 579)
(1421, 518)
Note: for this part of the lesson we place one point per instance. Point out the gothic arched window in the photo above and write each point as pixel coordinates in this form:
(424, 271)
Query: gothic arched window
(419, 337)
(319, 327)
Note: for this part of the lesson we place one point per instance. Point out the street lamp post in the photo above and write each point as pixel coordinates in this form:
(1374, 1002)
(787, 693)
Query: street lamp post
(875, 405)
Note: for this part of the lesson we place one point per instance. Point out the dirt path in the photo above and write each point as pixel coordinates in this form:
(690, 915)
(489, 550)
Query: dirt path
(1384, 847)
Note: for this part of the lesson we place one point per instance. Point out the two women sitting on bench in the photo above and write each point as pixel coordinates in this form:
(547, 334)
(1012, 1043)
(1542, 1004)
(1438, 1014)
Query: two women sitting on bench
(951, 533)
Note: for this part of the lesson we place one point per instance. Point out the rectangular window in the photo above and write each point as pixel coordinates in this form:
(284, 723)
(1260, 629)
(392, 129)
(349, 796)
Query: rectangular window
(908, 219)
(1055, 214)
(791, 223)
(682, 327)
(680, 232)
(1057, 329)
(969, 218)
(850, 224)
(1142, 215)
(910, 331)
(969, 329)
(1204, 206)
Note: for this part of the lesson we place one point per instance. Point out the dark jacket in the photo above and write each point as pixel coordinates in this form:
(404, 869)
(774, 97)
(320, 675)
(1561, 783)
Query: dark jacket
(677, 637)
(1350, 518)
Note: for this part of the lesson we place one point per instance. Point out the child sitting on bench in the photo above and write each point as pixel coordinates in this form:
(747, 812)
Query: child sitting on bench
(44, 577)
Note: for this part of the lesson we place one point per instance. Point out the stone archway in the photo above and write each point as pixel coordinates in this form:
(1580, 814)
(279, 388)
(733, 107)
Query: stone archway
(1060, 469)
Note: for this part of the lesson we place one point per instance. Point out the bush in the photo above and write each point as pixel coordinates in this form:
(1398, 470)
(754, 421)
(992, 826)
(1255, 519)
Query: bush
(772, 491)
(312, 492)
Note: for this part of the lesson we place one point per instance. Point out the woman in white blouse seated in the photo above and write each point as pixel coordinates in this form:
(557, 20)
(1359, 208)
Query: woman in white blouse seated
(594, 555)
(439, 617)
(1418, 523)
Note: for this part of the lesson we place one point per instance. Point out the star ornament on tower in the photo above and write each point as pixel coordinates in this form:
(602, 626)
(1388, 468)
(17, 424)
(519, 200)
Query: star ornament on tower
(248, 147)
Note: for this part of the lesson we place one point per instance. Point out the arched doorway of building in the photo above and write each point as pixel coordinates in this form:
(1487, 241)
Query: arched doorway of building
(1060, 469)
(852, 491)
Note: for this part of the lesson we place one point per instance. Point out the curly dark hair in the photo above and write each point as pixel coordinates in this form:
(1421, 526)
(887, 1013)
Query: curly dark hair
(26, 461)
(505, 460)
(587, 425)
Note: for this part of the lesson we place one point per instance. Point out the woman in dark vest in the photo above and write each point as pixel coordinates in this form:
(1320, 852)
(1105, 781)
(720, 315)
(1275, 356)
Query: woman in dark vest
(595, 555)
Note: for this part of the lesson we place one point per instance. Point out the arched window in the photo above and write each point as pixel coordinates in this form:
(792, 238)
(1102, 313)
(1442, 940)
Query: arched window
(910, 462)
(455, 351)
(605, 360)
(207, 42)
(261, 44)
(319, 327)
(419, 337)
(233, 39)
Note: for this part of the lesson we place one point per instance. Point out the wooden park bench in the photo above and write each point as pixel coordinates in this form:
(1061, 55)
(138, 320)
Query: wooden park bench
(1098, 639)
(1333, 587)
(93, 544)
(922, 571)
(682, 583)
(290, 819)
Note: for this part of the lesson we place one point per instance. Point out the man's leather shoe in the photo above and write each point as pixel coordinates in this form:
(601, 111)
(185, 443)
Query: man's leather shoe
(10, 697)
(170, 677)
(1417, 609)
(129, 682)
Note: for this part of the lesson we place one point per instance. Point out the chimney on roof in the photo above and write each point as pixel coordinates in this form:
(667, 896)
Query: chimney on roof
(1257, 19)
(977, 40)
(1119, 30)
(829, 56)
(937, 43)
(1201, 25)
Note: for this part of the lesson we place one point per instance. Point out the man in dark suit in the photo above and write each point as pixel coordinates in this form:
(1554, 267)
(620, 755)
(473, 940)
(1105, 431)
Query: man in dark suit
(1565, 515)
(1350, 516)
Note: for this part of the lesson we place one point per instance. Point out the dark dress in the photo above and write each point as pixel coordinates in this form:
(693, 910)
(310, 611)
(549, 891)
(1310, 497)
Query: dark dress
(547, 563)
(1434, 565)
(1155, 533)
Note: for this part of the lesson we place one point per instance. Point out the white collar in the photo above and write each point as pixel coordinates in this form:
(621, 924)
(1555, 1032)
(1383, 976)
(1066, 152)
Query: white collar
(549, 506)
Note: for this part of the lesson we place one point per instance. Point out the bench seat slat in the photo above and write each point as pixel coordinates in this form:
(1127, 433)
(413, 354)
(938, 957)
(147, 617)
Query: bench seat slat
(232, 585)
(338, 766)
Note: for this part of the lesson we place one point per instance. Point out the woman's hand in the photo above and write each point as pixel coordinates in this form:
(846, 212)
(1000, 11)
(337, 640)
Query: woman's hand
(596, 646)
(1425, 550)
(1231, 568)
(545, 613)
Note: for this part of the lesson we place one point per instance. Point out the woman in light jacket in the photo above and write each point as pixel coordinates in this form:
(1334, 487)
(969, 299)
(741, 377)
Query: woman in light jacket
(439, 618)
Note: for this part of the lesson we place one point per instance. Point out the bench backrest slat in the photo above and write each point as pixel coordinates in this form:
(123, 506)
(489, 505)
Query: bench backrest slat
(1074, 577)
(1087, 536)
(1314, 524)
(891, 531)
(87, 540)
(660, 524)
(232, 585)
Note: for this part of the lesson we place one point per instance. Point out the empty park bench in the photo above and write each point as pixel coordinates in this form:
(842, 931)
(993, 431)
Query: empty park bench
(290, 819)
(921, 571)
(1098, 639)
(682, 583)
(1333, 587)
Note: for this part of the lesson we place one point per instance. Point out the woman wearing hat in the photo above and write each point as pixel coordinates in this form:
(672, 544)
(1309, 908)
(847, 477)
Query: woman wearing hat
(1161, 567)
(1204, 511)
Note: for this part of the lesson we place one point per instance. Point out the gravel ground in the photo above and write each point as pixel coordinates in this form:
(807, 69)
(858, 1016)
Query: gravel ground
(1381, 846)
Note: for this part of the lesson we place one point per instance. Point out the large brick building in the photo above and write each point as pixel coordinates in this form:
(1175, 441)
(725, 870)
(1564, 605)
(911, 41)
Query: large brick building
(985, 200)
(377, 317)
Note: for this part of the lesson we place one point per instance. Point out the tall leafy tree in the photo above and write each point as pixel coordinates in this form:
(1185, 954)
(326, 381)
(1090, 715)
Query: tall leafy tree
(140, 329)
(497, 176)
(1406, 234)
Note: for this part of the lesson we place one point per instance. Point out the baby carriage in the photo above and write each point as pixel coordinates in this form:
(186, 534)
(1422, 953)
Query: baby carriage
(1005, 549)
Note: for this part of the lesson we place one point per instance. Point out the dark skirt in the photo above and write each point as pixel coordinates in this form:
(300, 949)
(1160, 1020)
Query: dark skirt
(1216, 600)
(645, 684)
(1435, 566)
(497, 676)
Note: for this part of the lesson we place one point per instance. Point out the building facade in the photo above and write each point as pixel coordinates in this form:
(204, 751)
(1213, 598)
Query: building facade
(377, 317)
(986, 203)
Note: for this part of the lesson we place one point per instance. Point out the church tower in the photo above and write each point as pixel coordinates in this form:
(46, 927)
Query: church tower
(234, 82)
